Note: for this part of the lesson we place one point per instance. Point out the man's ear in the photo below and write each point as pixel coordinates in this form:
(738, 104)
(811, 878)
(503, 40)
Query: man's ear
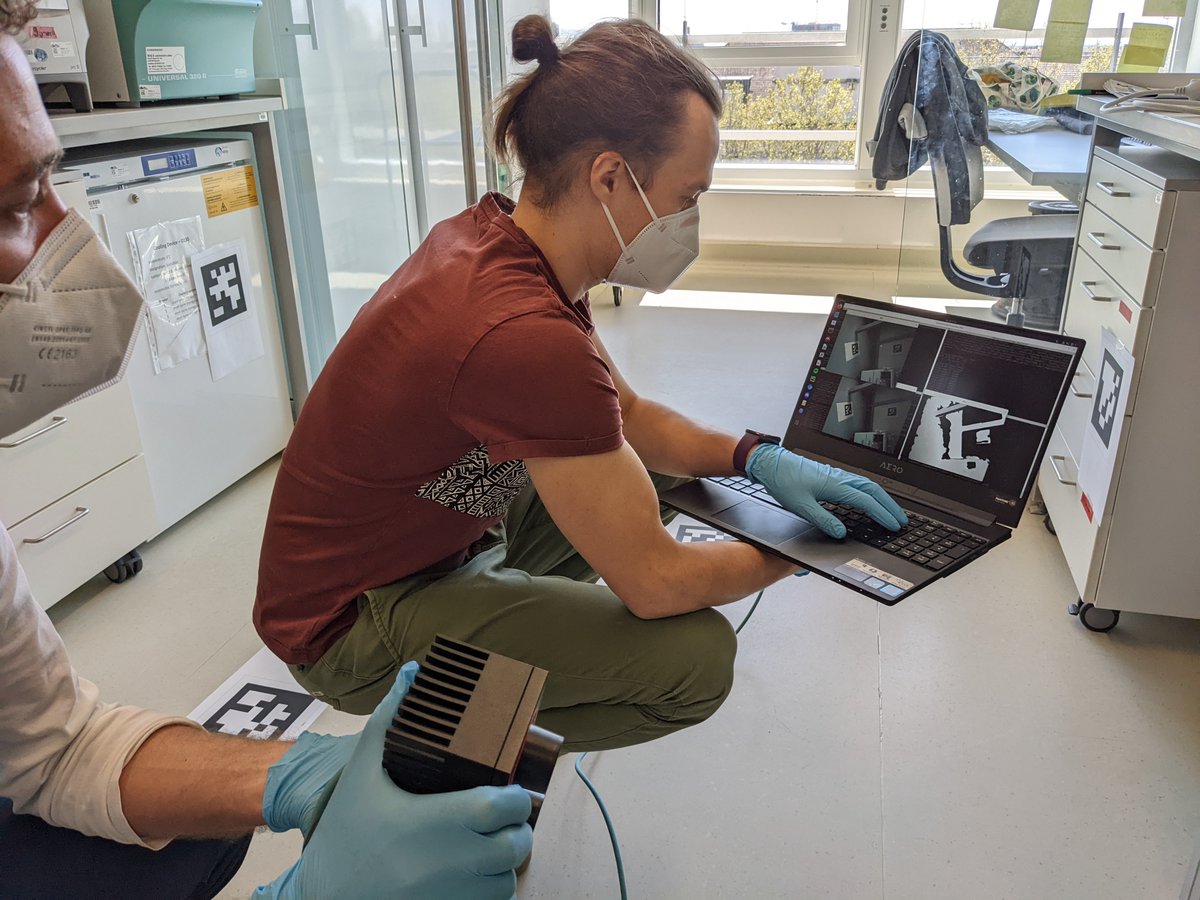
(605, 174)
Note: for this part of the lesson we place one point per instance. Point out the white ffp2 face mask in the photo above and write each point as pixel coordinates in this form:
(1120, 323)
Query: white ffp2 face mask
(661, 252)
(67, 325)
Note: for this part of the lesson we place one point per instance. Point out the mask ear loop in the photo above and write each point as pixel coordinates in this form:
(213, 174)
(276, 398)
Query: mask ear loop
(17, 290)
(642, 194)
(612, 222)
(613, 225)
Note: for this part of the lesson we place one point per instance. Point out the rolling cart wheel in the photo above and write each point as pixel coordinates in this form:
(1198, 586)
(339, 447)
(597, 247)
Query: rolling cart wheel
(124, 568)
(616, 295)
(1094, 618)
(1049, 523)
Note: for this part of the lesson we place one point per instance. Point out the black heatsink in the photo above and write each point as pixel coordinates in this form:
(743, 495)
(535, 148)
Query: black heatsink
(467, 721)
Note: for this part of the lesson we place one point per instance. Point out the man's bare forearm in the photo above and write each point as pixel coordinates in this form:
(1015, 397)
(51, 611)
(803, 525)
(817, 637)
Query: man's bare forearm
(700, 575)
(670, 443)
(185, 782)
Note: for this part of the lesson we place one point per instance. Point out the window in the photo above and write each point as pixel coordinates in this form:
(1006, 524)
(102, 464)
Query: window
(791, 73)
(789, 114)
(980, 44)
(574, 16)
(803, 78)
(764, 24)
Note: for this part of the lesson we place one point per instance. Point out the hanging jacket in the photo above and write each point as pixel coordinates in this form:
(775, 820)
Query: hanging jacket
(932, 110)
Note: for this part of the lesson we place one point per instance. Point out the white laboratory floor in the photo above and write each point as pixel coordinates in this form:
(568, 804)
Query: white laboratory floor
(972, 742)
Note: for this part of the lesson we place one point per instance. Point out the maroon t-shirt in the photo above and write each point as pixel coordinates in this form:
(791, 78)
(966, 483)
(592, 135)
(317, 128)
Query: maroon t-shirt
(468, 360)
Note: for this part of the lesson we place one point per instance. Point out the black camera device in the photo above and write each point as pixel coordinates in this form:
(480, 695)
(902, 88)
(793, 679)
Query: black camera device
(468, 720)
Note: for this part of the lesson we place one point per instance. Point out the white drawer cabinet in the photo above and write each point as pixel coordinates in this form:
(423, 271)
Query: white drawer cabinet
(1134, 266)
(71, 540)
(1097, 301)
(1136, 272)
(62, 452)
(74, 492)
(1131, 200)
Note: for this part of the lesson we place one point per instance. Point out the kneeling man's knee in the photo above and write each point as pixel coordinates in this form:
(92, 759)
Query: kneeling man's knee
(709, 645)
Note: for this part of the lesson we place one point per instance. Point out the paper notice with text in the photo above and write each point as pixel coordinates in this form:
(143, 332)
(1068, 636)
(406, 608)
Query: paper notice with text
(164, 275)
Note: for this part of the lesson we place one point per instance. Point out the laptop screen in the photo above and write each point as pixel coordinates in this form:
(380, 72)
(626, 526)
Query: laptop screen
(956, 407)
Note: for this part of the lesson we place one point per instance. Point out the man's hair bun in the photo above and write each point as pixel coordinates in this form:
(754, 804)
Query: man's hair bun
(533, 38)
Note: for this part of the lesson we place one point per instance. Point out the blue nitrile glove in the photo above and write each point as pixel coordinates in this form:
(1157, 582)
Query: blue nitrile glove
(299, 785)
(800, 484)
(375, 840)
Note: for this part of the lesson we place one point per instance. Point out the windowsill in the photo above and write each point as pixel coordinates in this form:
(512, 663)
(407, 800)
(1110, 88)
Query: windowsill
(1017, 192)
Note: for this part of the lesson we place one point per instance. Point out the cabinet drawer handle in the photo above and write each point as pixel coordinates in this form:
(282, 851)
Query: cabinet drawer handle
(80, 512)
(1107, 187)
(1097, 238)
(54, 423)
(1080, 394)
(1058, 472)
(1092, 295)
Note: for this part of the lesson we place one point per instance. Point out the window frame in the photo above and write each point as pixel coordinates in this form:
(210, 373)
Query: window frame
(873, 51)
(736, 175)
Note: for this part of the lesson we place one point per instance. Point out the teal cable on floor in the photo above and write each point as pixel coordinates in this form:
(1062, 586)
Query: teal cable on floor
(738, 630)
(612, 832)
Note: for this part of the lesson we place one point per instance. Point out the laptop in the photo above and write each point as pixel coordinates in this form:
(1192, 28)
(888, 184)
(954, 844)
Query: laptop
(950, 415)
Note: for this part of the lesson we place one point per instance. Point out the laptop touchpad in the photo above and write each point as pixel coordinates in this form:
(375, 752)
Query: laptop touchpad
(766, 524)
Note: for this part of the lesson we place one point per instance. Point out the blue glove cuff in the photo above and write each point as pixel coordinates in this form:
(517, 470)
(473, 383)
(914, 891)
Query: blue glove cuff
(282, 888)
(760, 455)
(302, 779)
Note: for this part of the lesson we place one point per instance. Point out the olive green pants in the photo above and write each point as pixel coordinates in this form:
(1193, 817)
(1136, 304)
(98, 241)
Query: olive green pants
(614, 679)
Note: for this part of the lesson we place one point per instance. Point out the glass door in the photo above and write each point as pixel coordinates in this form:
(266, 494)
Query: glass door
(372, 140)
(440, 85)
(341, 149)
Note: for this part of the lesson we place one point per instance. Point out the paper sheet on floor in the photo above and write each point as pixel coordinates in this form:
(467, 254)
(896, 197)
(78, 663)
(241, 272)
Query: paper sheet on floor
(1102, 435)
(160, 256)
(229, 307)
(259, 700)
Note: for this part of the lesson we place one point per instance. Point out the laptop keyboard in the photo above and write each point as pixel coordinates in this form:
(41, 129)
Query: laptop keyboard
(924, 541)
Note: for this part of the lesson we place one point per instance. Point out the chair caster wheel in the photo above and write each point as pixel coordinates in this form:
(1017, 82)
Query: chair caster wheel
(124, 568)
(1094, 618)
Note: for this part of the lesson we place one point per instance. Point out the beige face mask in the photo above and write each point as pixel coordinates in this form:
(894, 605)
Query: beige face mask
(661, 252)
(67, 325)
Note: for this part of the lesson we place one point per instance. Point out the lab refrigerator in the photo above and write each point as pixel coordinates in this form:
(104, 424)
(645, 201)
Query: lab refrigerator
(202, 426)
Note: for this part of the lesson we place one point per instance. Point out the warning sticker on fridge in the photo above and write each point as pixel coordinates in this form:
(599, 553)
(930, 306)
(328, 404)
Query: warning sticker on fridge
(229, 191)
(166, 61)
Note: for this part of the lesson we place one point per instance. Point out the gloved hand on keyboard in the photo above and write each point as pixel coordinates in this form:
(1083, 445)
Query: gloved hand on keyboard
(801, 484)
(375, 840)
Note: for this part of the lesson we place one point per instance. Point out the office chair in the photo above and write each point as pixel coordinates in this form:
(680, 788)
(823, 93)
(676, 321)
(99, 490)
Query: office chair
(1030, 259)
(933, 110)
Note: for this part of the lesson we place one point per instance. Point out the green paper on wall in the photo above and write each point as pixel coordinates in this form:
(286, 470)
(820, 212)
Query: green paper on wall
(1075, 11)
(1164, 8)
(1017, 14)
(1147, 48)
(1066, 31)
(1064, 42)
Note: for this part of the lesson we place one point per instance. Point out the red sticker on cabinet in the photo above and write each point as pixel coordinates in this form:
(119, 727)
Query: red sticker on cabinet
(1087, 505)
(1126, 312)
